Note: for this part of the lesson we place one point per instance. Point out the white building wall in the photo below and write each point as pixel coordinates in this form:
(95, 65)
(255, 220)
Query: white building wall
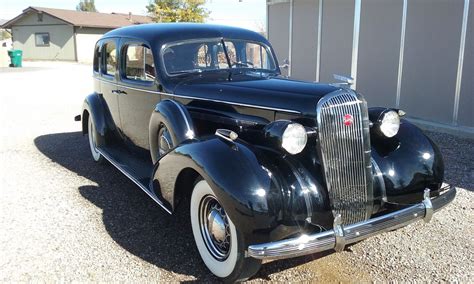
(86, 39)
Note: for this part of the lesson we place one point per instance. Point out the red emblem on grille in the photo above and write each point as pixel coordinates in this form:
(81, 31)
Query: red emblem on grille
(348, 120)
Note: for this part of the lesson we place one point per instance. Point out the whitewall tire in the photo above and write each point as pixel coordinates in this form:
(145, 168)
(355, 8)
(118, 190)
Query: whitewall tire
(220, 244)
(93, 138)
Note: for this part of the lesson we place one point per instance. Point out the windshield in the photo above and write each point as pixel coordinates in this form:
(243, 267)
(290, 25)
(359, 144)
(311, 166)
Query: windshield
(198, 56)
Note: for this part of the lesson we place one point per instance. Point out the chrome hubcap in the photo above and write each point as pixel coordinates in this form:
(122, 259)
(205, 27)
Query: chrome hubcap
(215, 228)
(164, 142)
(92, 139)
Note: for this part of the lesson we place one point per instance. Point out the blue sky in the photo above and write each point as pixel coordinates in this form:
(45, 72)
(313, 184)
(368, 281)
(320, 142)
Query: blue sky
(248, 13)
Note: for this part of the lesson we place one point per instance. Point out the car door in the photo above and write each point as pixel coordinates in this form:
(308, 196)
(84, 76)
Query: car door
(138, 90)
(108, 82)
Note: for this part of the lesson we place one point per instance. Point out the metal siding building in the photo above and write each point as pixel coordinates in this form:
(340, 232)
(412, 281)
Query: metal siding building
(417, 55)
(71, 34)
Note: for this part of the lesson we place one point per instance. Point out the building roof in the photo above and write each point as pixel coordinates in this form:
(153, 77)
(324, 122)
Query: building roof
(85, 19)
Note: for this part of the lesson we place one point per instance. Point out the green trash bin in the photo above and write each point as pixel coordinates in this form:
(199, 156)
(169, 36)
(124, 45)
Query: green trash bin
(16, 57)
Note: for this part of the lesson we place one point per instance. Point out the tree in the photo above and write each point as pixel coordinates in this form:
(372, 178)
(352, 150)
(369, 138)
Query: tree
(178, 11)
(86, 6)
(4, 34)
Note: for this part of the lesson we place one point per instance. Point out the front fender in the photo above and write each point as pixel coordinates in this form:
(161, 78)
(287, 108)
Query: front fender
(409, 162)
(267, 196)
(236, 176)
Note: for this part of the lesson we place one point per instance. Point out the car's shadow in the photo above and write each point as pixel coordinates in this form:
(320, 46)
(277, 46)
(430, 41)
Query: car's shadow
(132, 219)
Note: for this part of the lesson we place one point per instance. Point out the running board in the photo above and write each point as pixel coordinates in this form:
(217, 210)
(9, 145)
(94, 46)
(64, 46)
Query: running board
(132, 178)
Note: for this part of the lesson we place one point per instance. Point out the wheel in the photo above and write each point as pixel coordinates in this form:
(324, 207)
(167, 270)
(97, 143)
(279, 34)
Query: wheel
(220, 244)
(93, 138)
(165, 142)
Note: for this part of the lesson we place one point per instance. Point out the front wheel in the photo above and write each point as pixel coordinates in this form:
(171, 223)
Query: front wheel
(219, 243)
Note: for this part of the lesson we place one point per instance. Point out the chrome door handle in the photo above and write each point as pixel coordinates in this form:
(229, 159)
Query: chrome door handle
(119, 92)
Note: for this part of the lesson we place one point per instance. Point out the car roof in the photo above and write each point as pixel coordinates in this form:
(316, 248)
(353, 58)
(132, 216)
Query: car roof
(158, 34)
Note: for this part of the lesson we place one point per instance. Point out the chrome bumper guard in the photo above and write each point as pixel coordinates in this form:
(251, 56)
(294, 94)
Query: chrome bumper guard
(341, 236)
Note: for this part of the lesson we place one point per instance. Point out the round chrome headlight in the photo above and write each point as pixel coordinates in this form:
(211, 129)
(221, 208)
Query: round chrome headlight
(390, 123)
(294, 138)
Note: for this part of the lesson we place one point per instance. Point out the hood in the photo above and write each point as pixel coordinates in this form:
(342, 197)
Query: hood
(268, 92)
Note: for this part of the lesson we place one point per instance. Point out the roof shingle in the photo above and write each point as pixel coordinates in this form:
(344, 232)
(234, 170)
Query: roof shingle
(87, 19)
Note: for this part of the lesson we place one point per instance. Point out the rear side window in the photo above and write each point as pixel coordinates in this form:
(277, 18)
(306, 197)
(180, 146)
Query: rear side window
(138, 63)
(96, 58)
(110, 58)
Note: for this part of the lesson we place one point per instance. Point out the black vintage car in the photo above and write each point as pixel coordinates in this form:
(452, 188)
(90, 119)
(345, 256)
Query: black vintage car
(271, 167)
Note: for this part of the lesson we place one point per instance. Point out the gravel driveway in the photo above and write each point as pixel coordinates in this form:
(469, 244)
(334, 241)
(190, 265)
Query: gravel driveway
(64, 218)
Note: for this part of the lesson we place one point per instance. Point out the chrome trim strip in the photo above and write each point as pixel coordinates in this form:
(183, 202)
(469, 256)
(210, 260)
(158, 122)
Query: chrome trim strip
(402, 51)
(318, 44)
(232, 103)
(308, 244)
(127, 87)
(355, 41)
(203, 99)
(132, 178)
(462, 46)
(290, 38)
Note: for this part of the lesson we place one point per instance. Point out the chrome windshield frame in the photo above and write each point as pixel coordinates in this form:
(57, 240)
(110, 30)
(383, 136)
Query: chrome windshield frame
(217, 39)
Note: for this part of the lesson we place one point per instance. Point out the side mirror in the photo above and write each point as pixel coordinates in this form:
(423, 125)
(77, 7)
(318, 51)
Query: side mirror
(285, 65)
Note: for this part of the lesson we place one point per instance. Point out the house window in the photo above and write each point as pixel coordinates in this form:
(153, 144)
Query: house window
(42, 39)
(40, 17)
(139, 64)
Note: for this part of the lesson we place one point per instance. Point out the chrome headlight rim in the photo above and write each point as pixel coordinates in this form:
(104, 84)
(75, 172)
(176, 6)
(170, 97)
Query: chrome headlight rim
(294, 138)
(389, 123)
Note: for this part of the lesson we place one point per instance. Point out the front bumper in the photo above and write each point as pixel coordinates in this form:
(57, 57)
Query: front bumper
(340, 236)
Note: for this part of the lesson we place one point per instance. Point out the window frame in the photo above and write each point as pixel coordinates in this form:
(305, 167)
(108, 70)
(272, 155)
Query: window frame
(96, 61)
(122, 64)
(43, 45)
(198, 40)
(103, 60)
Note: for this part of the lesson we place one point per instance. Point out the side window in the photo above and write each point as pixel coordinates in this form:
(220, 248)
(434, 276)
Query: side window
(110, 58)
(231, 51)
(139, 63)
(221, 58)
(257, 56)
(96, 58)
(203, 56)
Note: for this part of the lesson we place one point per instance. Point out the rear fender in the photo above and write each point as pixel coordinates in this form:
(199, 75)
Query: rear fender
(177, 120)
(95, 107)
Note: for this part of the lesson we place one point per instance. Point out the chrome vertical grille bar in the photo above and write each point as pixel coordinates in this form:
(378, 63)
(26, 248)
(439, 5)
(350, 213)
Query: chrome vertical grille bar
(345, 154)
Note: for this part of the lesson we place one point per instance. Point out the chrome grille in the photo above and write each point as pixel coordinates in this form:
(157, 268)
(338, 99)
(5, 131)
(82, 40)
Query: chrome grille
(345, 154)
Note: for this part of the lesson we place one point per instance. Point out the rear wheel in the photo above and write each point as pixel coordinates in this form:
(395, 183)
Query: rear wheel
(165, 142)
(219, 243)
(93, 138)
